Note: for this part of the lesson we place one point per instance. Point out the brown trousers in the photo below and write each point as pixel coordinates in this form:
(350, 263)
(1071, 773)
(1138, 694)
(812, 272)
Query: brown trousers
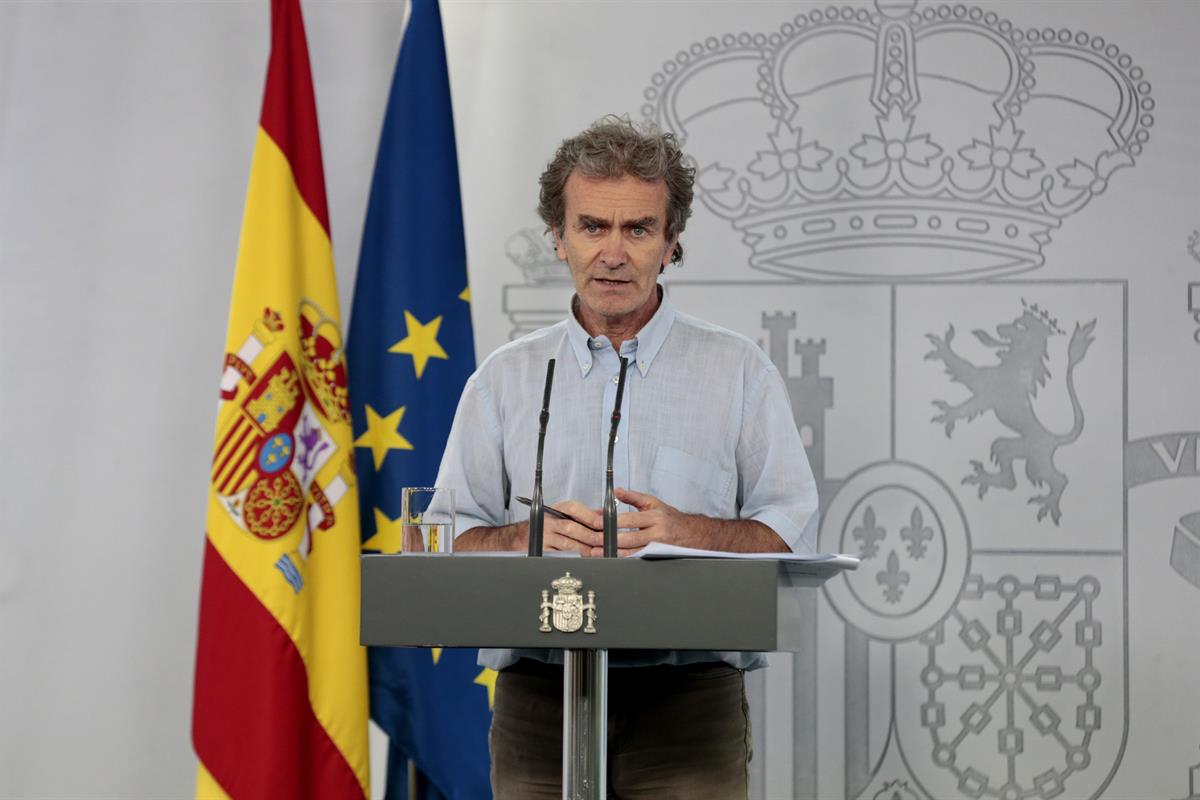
(673, 732)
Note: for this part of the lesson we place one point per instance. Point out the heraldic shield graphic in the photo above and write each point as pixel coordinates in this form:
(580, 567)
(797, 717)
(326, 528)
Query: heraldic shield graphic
(567, 609)
(983, 643)
(273, 444)
(900, 163)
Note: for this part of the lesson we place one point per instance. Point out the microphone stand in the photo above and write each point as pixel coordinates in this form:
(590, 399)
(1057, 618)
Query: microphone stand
(585, 671)
(610, 500)
(537, 509)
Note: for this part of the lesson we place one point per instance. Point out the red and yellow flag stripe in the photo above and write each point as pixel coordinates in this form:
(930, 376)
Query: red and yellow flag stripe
(281, 684)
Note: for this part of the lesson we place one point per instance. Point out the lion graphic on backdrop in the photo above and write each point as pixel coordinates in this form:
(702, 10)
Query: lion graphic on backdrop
(1007, 389)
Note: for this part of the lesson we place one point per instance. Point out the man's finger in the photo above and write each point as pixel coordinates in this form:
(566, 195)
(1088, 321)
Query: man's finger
(638, 500)
(588, 516)
(622, 552)
(580, 533)
(633, 539)
(637, 519)
(555, 541)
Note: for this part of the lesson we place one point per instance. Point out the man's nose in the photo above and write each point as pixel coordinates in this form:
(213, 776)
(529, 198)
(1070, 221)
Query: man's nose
(612, 250)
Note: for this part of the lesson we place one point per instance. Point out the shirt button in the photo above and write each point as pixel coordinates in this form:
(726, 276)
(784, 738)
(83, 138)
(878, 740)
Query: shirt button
(615, 379)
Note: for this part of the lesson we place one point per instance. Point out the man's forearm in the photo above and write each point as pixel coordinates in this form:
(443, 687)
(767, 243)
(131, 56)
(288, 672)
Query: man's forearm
(656, 521)
(733, 535)
(503, 537)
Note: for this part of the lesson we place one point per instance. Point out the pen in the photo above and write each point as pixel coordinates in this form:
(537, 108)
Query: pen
(554, 512)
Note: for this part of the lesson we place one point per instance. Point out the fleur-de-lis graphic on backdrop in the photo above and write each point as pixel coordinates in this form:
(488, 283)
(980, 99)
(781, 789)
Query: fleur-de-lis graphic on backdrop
(916, 534)
(893, 578)
(896, 790)
(869, 535)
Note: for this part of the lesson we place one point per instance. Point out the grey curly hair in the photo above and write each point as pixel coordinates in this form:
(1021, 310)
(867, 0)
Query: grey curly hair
(612, 147)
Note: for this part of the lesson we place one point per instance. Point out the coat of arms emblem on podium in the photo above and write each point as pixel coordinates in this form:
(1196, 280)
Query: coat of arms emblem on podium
(566, 610)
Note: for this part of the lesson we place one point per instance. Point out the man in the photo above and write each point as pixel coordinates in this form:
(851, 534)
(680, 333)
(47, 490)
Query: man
(707, 456)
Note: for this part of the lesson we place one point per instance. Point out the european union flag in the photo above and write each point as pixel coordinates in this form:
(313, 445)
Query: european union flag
(410, 351)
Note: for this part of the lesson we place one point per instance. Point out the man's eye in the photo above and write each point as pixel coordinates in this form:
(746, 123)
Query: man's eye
(591, 228)
(639, 231)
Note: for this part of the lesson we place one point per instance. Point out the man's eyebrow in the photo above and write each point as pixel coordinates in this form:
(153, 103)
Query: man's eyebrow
(648, 222)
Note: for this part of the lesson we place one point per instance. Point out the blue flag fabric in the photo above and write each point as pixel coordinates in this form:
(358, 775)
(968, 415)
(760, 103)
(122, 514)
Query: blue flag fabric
(410, 351)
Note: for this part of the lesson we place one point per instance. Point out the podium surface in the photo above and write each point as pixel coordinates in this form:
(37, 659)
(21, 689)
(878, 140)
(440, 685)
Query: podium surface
(587, 607)
(671, 604)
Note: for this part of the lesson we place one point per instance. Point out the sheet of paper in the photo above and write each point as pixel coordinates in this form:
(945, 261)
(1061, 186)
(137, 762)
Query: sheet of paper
(514, 553)
(659, 550)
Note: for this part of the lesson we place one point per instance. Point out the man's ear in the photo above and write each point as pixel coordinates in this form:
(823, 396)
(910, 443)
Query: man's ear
(670, 253)
(558, 243)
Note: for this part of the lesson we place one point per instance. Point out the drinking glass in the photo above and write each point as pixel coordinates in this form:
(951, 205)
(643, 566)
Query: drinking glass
(427, 515)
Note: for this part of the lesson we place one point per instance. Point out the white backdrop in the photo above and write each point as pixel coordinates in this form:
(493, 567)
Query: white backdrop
(981, 651)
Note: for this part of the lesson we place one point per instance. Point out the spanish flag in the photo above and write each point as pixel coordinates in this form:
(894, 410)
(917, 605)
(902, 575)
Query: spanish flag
(281, 681)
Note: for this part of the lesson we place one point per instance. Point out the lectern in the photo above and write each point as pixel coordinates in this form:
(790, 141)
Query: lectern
(587, 607)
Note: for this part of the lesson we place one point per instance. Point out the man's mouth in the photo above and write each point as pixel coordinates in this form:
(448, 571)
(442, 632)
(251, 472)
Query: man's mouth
(610, 282)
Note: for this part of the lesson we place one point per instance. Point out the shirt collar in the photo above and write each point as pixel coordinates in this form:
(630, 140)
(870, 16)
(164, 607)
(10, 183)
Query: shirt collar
(649, 339)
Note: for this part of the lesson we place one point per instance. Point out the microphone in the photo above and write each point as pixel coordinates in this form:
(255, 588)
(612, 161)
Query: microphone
(610, 499)
(537, 509)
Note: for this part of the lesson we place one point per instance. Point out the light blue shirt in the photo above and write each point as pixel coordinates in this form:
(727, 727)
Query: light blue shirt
(706, 426)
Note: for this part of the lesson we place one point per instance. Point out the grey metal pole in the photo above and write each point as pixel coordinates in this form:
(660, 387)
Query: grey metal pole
(585, 724)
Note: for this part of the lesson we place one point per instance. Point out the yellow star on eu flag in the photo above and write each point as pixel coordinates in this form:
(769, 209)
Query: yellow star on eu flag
(382, 435)
(487, 678)
(421, 342)
(387, 534)
(465, 295)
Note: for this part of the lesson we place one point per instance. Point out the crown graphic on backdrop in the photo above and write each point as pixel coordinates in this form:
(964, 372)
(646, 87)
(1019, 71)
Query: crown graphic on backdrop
(533, 253)
(943, 129)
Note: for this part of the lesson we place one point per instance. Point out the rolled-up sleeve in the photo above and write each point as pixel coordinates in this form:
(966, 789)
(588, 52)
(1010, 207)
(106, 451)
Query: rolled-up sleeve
(776, 485)
(473, 462)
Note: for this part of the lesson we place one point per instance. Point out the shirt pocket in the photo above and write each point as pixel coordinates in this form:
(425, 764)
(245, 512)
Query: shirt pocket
(691, 484)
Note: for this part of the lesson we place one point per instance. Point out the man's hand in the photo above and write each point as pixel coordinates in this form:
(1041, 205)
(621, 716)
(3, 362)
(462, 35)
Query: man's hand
(656, 521)
(557, 534)
(563, 534)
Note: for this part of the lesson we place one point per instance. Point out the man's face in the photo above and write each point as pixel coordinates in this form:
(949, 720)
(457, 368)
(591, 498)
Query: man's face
(614, 240)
